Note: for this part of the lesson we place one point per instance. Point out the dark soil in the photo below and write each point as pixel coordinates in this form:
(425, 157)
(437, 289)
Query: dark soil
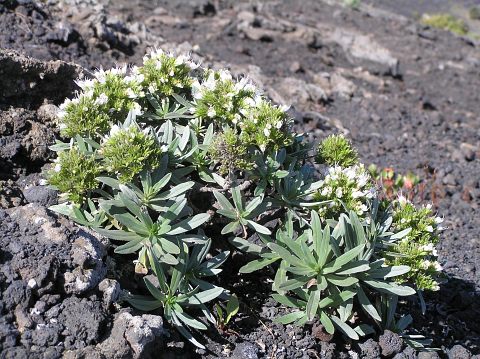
(407, 96)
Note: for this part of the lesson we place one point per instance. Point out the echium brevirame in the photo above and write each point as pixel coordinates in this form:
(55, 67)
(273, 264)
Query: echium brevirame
(169, 160)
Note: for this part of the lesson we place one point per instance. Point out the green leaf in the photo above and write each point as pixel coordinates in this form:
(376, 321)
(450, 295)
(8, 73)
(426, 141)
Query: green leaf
(161, 183)
(354, 267)
(244, 245)
(336, 299)
(224, 202)
(364, 330)
(232, 307)
(63, 208)
(343, 259)
(258, 227)
(111, 182)
(118, 235)
(387, 272)
(181, 329)
(289, 318)
(237, 199)
(205, 268)
(254, 203)
(312, 304)
(285, 254)
(293, 284)
(341, 281)
(203, 297)
(401, 234)
(230, 228)
(228, 214)
(327, 323)
(154, 290)
(189, 224)
(390, 288)
(132, 223)
(174, 192)
(345, 328)
(188, 320)
(367, 305)
(158, 270)
(130, 247)
(144, 303)
(289, 301)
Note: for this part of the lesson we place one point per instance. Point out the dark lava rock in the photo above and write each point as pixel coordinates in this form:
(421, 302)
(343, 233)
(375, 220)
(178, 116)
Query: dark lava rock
(25, 80)
(428, 355)
(459, 352)
(42, 195)
(130, 337)
(245, 351)
(369, 349)
(38, 253)
(408, 353)
(390, 342)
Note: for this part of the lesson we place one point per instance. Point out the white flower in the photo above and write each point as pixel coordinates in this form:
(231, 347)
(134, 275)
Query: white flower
(85, 84)
(357, 194)
(428, 247)
(137, 109)
(339, 192)
(350, 173)
(429, 229)
(197, 90)
(426, 264)
(279, 124)
(210, 83)
(362, 179)
(437, 266)
(326, 191)
(114, 130)
(100, 75)
(249, 102)
(89, 93)
(131, 93)
(438, 220)
(402, 200)
(225, 75)
(266, 132)
(57, 167)
(102, 99)
(211, 112)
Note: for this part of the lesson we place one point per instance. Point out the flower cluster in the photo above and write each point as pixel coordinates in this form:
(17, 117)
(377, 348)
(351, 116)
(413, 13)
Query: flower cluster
(74, 174)
(166, 74)
(267, 127)
(337, 150)
(230, 153)
(106, 98)
(347, 189)
(219, 98)
(417, 248)
(127, 151)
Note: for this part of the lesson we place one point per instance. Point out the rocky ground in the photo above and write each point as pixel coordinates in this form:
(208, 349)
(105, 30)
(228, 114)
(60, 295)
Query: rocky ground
(407, 96)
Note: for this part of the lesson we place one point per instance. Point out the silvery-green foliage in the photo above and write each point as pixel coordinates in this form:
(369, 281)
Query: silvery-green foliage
(336, 263)
(241, 214)
(159, 155)
(175, 296)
